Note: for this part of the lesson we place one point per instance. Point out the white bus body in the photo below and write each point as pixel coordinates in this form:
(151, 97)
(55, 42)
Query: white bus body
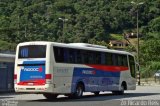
(52, 68)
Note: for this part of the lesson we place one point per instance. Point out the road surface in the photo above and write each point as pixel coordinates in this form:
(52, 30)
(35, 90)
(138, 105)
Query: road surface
(142, 96)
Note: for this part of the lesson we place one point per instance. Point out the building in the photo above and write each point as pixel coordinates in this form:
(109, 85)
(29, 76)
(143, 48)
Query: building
(132, 35)
(118, 44)
(7, 72)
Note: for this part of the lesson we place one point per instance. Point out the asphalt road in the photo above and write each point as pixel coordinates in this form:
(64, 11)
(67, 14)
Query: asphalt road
(142, 96)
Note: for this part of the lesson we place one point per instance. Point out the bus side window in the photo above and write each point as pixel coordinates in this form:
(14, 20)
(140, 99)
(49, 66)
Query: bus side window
(78, 56)
(58, 53)
(103, 58)
(132, 66)
(85, 57)
(98, 58)
(122, 60)
(109, 59)
(71, 57)
(91, 59)
(125, 63)
(115, 59)
(119, 60)
(65, 55)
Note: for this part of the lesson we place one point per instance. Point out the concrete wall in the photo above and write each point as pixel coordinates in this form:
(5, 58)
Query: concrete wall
(6, 72)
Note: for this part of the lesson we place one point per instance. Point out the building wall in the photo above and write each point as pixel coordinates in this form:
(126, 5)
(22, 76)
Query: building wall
(6, 72)
(6, 76)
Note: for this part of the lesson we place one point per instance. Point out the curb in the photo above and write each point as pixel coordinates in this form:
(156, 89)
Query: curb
(148, 84)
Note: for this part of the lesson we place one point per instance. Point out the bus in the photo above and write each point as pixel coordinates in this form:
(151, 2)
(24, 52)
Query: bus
(53, 69)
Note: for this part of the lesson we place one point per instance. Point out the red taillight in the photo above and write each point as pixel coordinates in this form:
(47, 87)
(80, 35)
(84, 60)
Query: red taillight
(48, 76)
(15, 76)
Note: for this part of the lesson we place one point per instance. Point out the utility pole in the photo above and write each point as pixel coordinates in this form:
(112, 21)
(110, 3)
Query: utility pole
(63, 20)
(137, 16)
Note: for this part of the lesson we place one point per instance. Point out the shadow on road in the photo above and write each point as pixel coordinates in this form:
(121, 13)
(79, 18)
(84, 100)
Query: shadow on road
(101, 97)
(5, 97)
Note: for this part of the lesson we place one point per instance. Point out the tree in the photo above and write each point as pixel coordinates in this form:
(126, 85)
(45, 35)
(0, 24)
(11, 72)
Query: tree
(149, 57)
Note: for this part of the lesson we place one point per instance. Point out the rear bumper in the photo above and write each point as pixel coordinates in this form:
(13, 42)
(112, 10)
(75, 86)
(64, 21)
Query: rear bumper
(47, 88)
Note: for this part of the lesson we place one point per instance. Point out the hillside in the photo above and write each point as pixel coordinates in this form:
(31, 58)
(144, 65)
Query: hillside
(87, 21)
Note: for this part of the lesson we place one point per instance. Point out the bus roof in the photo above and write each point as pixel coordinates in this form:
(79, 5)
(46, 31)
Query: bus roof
(84, 46)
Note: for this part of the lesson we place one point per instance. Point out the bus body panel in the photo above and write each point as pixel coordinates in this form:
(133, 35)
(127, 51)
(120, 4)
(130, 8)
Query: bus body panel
(130, 81)
(97, 79)
(31, 73)
(64, 77)
(94, 79)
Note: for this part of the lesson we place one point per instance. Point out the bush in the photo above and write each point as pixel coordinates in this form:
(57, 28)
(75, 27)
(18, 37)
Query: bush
(150, 68)
(6, 46)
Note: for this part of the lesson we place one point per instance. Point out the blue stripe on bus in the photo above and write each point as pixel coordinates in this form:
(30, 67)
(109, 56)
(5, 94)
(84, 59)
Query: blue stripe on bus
(95, 80)
(34, 62)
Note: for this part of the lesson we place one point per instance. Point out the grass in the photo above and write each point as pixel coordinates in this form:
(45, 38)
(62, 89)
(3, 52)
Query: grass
(116, 36)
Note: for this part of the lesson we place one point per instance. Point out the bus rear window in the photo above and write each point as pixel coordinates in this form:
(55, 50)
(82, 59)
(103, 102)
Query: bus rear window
(32, 51)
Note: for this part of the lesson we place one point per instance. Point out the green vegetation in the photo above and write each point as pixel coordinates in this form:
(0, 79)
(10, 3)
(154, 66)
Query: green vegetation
(7, 46)
(116, 37)
(89, 21)
(149, 56)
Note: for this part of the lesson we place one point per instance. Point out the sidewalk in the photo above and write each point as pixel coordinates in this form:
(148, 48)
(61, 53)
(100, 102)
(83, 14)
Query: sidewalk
(149, 83)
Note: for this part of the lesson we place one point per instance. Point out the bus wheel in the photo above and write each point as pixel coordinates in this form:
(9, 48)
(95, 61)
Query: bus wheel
(121, 92)
(50, 96)
(79, 91)
(96, 93)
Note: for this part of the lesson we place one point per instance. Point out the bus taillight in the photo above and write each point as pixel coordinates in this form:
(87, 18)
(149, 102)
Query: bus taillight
(48, 76)
(15, 78)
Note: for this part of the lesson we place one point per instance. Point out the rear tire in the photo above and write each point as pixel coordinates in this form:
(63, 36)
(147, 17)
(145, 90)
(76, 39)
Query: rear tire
(50, 96)
(121, 92)
(79, 91)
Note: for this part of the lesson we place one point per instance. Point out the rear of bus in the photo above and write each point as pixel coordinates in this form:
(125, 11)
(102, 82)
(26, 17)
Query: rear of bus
(31, 71)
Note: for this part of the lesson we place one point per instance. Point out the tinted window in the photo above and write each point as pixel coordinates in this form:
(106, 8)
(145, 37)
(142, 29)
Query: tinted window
(132, 66)
(32, 51)
(71, 56)
(85, 55)
(125, 61)
(78, 56)
(59, 54)
(91, 57)
(122, 60)
(97, 58)
(109, 59)
(115, 59)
